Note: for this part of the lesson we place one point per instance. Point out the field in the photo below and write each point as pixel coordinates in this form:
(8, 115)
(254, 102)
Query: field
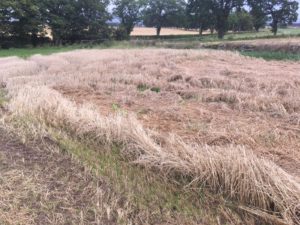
(289, 45)
(148, 31)
(164, 136)
(279, 49)
(26, 52)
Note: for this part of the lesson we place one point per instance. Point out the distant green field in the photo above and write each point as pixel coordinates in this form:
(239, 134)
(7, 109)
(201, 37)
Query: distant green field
(26, 52)
(183, 42)
(268, 55)
(47, 50)
(266, 33)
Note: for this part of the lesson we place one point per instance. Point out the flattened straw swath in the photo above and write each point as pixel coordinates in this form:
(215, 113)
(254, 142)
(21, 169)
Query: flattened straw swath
(258, 185)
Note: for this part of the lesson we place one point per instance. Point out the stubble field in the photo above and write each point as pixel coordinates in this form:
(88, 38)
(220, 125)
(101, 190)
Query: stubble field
(146, 31)
(201, 119)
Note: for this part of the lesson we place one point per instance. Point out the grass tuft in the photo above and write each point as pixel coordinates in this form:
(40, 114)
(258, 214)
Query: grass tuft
(142, 87)
(155, 89)
(3, 97)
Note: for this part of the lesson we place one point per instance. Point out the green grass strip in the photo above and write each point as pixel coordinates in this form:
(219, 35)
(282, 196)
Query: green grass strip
(268, 55)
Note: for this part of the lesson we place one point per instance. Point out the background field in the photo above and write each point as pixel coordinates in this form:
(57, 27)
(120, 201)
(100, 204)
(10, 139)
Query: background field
(190, 123)
(159, 131)
(148, 31)
(286, 39)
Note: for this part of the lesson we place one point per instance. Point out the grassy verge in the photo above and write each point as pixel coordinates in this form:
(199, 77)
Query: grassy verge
(268, 55)
(264, 34)
(186, 42)
(47, 50)
(143, 189)
(26, 52)
(3, 97)
(150, 196)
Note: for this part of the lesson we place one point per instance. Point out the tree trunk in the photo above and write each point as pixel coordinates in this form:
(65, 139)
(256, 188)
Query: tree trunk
(158, 29)
(221, 33)
(57, 42)
(222, 25)
(129, 29)
(56, 39)
(275, 27)
(200, 30)
(34, 39)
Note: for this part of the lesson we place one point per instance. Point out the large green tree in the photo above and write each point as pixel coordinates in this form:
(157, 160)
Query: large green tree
(129, 13)
(162, 13)
(222, 9)
(200, 15)
(281, 12)
(21, 19)
(240, 21)
(71, 20)
(5, 17)
(259, 16)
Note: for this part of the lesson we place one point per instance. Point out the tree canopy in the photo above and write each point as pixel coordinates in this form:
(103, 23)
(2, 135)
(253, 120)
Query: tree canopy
(26, 21)
(158, 13)
(200, 15)
(129, 13)
(75, 20)
(281, 12)
(22, 19)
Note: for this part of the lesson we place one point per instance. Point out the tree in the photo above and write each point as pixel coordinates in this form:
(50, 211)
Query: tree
(21, 19)
(222, 9)
(258, 14)
(281, 12)
(240, 21)
(71, 20)
(5, 16)
(161, 13)
(94, 17)
(128, 12)
(200, 15)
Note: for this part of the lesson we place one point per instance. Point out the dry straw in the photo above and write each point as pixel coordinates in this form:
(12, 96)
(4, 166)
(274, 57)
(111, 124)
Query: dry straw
(252, 103)
(260, 186)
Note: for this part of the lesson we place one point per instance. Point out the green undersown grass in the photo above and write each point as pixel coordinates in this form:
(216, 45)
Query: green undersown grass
(142, 188)
(145, 189)
(48, 50)
(27, 52)
(3, 97)
(268, 55)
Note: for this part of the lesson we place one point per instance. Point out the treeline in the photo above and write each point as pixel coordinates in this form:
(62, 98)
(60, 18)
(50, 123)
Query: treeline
(219, 15)
(28, 21)
(70, 21)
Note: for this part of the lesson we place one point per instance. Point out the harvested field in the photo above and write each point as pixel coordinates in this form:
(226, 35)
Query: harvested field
(218, 119)
(41, 187)
(148, 31)
(289, 45)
